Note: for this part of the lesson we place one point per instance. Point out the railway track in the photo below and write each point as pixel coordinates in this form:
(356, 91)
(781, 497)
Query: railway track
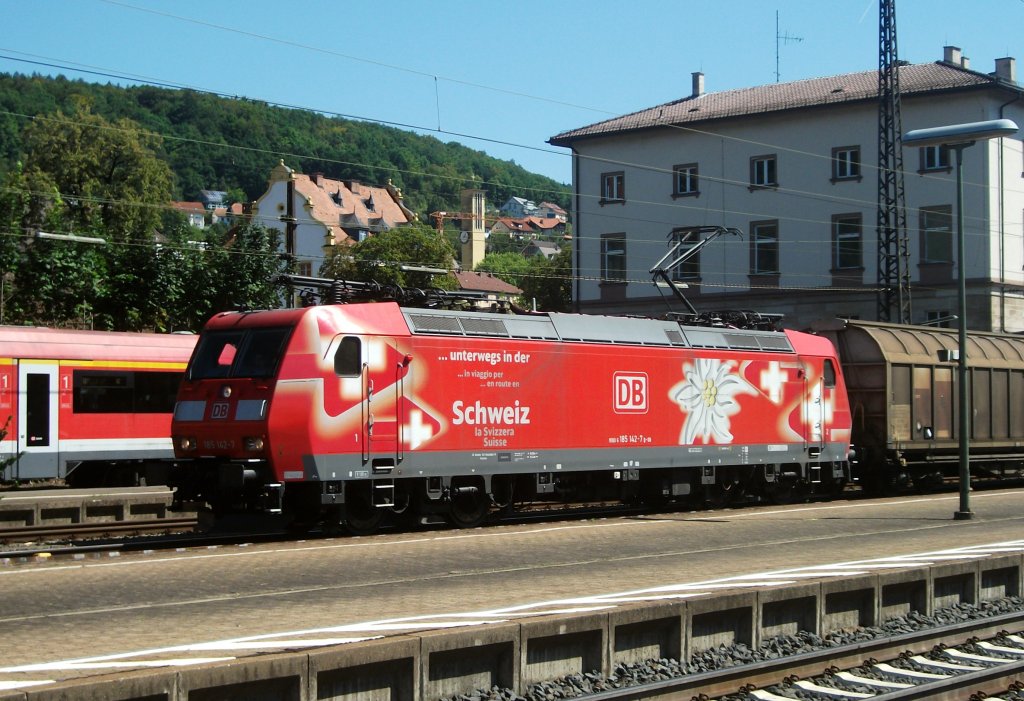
(968, 660)
(73, 533)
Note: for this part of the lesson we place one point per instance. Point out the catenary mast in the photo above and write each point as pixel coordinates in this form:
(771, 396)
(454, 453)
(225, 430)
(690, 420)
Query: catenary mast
(893, 255)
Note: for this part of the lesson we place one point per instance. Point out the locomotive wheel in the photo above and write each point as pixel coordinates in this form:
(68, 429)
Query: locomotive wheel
(785, 491)
(361, 516)
(468, 510)
(717, 496)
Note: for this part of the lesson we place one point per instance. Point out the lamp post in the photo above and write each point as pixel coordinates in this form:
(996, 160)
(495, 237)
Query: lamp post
(957, 137)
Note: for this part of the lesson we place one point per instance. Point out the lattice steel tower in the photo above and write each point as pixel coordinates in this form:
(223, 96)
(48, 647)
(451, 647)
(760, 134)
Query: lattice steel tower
(893, 254)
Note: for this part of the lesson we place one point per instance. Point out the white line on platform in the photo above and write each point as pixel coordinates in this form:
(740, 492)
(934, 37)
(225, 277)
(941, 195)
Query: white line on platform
(312, 637)
(8, 686)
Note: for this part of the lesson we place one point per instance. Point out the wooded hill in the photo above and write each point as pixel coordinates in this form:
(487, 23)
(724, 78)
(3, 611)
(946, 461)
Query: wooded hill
(218, 143)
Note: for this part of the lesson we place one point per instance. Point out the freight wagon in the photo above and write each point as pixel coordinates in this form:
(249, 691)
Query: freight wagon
(903, 388)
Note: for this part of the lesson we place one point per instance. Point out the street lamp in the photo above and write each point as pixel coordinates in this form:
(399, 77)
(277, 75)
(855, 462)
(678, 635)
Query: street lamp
(957, 137)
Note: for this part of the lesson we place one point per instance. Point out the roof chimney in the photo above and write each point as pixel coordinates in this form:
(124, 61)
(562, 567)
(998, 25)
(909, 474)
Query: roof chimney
(1006, 69)
(965, 63)
(698, 84)
(951, 54)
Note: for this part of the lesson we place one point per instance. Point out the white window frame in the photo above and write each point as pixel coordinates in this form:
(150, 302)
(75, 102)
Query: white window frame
(761, 240)
(613, 187)
(764, 171)
(613, 258)
(846, 163)
(685, 179)
(843, 237)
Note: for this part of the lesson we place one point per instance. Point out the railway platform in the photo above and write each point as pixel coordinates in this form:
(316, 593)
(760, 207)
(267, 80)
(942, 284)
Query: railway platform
(21, 508)
(427, 615)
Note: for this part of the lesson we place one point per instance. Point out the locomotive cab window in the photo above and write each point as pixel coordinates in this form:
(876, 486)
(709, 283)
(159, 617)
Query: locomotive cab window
(348, 358)
(260, 353)
(829, 374)
(251, 353)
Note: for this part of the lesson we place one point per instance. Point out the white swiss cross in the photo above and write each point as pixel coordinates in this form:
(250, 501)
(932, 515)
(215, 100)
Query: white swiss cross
(416, 431)
(772, 380)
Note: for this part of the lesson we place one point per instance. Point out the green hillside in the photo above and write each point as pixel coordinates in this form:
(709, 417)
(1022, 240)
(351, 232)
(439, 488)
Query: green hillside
(218, 143)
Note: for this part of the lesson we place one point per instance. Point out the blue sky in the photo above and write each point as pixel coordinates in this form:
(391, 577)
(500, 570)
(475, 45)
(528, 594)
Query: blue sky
(500, 77)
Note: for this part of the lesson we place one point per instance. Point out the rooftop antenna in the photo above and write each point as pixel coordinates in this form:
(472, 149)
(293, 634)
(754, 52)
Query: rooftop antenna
(783, 39)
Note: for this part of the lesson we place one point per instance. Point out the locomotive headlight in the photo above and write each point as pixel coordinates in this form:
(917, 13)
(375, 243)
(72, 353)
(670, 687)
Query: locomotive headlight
(225, 391)
(253, 443)
(186, 443)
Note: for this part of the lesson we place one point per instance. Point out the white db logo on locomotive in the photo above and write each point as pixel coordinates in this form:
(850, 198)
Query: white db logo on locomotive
(630, 390)
(219, 410)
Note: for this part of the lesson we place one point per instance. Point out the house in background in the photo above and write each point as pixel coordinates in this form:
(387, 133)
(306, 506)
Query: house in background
(518, 208)
(212, 199)
(547, 249)
(493, 288)
(195, 211)
(550, 210)
(227, 215)
(794, 166)
(512, 227)
(549, 226)
(314, 213)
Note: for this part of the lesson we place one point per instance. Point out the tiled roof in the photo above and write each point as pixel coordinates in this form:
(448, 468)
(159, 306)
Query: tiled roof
(520, 225)
(347, 205)
(194, 207)
(552, 206)
(545, 223)
(813, 92)
(485, 282)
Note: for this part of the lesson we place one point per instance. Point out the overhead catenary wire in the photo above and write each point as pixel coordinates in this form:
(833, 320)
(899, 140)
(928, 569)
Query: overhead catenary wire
(677, 206)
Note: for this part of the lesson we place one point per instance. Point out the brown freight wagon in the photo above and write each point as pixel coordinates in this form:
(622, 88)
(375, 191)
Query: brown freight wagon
(902, 383)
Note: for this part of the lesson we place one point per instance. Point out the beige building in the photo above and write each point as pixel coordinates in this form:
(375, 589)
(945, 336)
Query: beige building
(324, 212)
(794, 167)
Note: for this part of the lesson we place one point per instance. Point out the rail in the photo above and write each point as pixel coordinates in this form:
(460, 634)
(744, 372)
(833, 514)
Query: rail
(747, 678)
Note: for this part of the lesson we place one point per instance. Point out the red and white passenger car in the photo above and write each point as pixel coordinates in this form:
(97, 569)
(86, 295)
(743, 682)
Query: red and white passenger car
(91, 407)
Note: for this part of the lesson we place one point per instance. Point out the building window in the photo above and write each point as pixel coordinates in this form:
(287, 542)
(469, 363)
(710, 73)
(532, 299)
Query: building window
(613, 187)
(939, 319)
(846, 163)
(684, 179)
(937, 234)
(763, 172)
(690, 268)
(764, 248)
(934, 158)
(613, 258)
(847, 242)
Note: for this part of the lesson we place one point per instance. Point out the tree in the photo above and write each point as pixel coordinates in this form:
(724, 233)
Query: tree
(108, 173)
(200, 272)
(549, 282)
(246, 269)
(381, 257)
(510, 267)
(44, 281)
(86, 176)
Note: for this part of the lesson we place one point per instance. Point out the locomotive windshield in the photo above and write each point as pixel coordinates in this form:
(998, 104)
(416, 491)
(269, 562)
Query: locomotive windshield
(251, 353)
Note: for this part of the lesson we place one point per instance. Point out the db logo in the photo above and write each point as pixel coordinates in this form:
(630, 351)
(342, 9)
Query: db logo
(219, 410)
(630, 392)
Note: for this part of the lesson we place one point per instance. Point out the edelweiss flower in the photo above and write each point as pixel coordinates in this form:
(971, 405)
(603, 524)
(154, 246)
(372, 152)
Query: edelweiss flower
(707, 395)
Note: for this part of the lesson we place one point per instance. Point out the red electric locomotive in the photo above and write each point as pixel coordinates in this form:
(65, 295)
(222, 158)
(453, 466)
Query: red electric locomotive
(91, 407)
(345, 412)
